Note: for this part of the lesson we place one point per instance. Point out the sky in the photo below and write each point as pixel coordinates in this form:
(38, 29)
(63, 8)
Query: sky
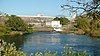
(32, 7)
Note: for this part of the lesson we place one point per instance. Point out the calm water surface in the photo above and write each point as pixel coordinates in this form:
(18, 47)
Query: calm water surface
(53, 41)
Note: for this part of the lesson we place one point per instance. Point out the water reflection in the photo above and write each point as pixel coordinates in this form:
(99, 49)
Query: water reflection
(54, 40)
(39, 41)
(18, 40)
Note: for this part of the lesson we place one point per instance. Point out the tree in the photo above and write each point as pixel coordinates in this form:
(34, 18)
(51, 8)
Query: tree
(81, 6)
(83, 23)
(56, 18)
(63, 20)
(90, 23)
(95, 20)
(86, 10)
(4, 30)
(16, 23)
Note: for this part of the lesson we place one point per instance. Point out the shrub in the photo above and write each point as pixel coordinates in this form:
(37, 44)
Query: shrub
(7, 49)
(68, 51)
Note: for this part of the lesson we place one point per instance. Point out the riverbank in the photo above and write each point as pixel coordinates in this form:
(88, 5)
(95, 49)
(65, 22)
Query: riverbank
(15, 33)
(43, 29)
(50, 29)
(95, 33)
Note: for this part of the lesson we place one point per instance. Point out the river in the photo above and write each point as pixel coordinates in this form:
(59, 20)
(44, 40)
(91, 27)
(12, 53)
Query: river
(54, 41)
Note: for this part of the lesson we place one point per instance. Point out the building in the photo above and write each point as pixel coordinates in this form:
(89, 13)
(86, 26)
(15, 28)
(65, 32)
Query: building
(38, 20)
(56, 25)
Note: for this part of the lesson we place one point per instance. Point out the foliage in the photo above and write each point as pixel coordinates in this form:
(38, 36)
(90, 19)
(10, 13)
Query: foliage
(45, 54)
(95, 33)
(4, 30)
(90, 23)
(13, 23)
(16, 23)
(95, 22)
(84, 24)
(81, 6)
(29, 30)
(7, 49)
(62, 20)
(68, 51)
(89, 9)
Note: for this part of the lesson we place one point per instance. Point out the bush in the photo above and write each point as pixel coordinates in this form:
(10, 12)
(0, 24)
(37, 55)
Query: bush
(47, 53)
(7, 49)
(29, 30)
(68, 51)
(95, 33)
(4, 30)
(16, 23)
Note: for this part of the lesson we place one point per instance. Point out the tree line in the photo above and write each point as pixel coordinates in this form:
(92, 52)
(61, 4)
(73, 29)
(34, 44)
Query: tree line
(13, 23)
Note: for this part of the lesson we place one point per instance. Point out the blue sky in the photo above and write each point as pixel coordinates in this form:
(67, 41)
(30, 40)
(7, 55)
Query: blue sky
(32, 7)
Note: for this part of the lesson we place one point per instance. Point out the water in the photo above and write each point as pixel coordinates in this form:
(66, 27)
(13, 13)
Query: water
(53, 41)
